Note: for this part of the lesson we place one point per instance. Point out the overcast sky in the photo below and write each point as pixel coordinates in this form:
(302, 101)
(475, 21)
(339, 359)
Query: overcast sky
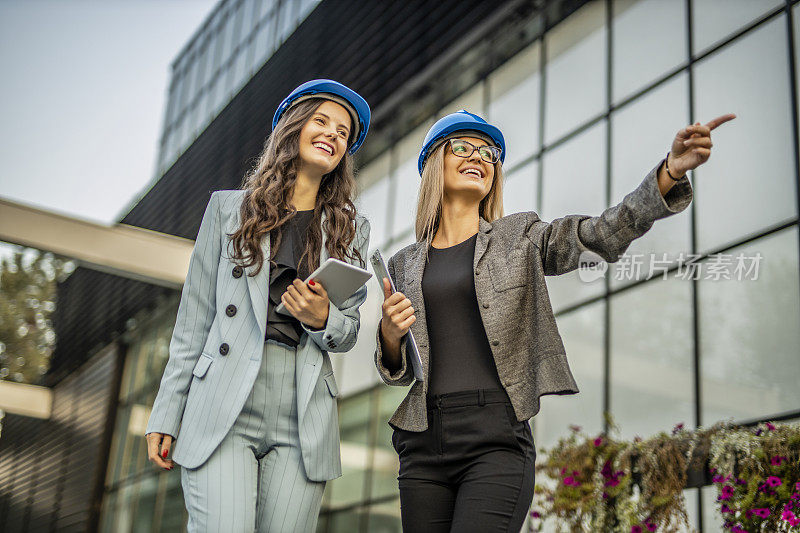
(83, 93)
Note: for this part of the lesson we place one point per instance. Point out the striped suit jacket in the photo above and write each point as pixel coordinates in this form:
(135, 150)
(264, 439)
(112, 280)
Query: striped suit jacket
(214, 358)
(513, 254)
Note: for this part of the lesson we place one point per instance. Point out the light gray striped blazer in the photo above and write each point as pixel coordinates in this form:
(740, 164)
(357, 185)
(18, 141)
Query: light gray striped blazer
(204, 385)
(512, 256)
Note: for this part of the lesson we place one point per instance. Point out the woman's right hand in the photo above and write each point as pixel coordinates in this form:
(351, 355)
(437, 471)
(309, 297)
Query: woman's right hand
(158, 445)
(398, 315)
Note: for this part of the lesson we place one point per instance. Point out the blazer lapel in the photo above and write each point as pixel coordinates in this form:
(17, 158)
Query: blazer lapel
(309, 356)
(414, 268)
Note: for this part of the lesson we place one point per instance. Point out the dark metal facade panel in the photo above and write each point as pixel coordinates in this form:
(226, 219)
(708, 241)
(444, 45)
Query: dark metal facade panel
(91, 311)
(50, 470)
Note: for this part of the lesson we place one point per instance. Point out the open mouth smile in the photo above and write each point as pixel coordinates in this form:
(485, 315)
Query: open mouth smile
(324, 146)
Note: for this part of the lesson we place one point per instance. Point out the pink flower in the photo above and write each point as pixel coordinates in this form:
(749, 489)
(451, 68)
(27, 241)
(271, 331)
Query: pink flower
(776, 460)
(725, 509)
(763, 512)
(787, 515)
(797, 485)
(774, 481)
(636, 529)
(605, 495)
(770, 427)
(535, 514)
(650, 526)
(569, 480)
(712, 470)
(563, 470)
(598, 441)
(737, 529)
(727, 492)
(677, 428)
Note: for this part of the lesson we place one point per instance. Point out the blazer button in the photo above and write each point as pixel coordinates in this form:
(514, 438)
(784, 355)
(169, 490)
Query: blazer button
(495, 343)
(237, 271)
(230, 310)
(223, 348)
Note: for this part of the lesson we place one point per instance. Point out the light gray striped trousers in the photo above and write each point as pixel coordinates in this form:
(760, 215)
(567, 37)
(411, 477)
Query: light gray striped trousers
(255, 479)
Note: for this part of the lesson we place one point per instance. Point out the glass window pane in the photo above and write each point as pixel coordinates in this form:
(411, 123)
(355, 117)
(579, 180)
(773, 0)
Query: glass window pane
(264, 41)
(306, 7)
(632, 158)
(373, 203)
(796, 25)
(652, 384)
(239, 76)
(576, 70)
(519, 191)
(226, 37)
(386, 464)
(748, 330)
(406, 179)
(749, 181)
(712, 518)
(354, 431)
(643, 50)
(287, 20)
(714, 20)
(471, 100)
(582, 333)
(514, 106)
(220, 92)
(385, 517)
(574, 183)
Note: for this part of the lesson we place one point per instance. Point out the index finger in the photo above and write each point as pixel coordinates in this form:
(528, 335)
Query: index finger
(722, 119)
(317, 287)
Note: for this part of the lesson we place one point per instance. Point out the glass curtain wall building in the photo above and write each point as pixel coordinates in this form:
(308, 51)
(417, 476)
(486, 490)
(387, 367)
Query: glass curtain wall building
(588, 107)
(231, 45)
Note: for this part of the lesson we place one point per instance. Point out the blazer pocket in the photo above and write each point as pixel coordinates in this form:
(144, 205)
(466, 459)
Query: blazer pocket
(509, 271)
(330, 380)
(201, 367)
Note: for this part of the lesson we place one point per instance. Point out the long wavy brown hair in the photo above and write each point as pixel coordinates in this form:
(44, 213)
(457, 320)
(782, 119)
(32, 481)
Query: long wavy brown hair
(266, 204)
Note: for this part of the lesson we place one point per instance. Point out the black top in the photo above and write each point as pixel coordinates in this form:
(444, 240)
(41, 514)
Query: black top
(460, 356)
(284, 327)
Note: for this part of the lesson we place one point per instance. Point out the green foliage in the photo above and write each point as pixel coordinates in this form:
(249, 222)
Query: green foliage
(27, 300)
(603, 484)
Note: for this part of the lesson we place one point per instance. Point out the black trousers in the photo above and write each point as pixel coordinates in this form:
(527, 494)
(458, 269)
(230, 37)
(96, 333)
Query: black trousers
(471, 470)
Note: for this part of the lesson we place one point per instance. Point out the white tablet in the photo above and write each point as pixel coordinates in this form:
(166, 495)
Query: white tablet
(340, 279)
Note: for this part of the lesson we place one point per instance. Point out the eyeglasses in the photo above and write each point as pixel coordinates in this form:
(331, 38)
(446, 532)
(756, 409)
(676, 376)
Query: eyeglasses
(490, 154)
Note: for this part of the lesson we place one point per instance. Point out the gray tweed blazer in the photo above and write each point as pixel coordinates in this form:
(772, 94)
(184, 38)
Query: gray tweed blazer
(512, 256)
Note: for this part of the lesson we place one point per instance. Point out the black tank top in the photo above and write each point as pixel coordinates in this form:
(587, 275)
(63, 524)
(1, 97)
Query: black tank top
(284, 327)
(460, 356)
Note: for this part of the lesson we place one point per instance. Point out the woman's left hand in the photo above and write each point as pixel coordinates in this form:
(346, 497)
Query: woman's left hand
(307, 303)
(692, 146)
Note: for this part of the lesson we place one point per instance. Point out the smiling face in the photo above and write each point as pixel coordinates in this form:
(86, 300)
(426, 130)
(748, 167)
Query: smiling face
(470, 176)
(323, 139)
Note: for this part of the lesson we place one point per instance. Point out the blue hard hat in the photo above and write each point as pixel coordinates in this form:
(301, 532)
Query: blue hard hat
(461, 120)
(335, 91)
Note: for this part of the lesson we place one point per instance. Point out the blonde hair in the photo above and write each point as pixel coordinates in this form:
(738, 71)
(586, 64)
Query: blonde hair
(431, 196)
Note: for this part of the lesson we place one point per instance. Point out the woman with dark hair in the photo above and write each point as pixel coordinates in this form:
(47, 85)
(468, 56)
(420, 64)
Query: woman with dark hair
(486, 332)
(252, 389)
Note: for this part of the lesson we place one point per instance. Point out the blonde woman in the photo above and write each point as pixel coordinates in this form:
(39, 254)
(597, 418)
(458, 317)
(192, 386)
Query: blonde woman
(252, 390)
(472, 290)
